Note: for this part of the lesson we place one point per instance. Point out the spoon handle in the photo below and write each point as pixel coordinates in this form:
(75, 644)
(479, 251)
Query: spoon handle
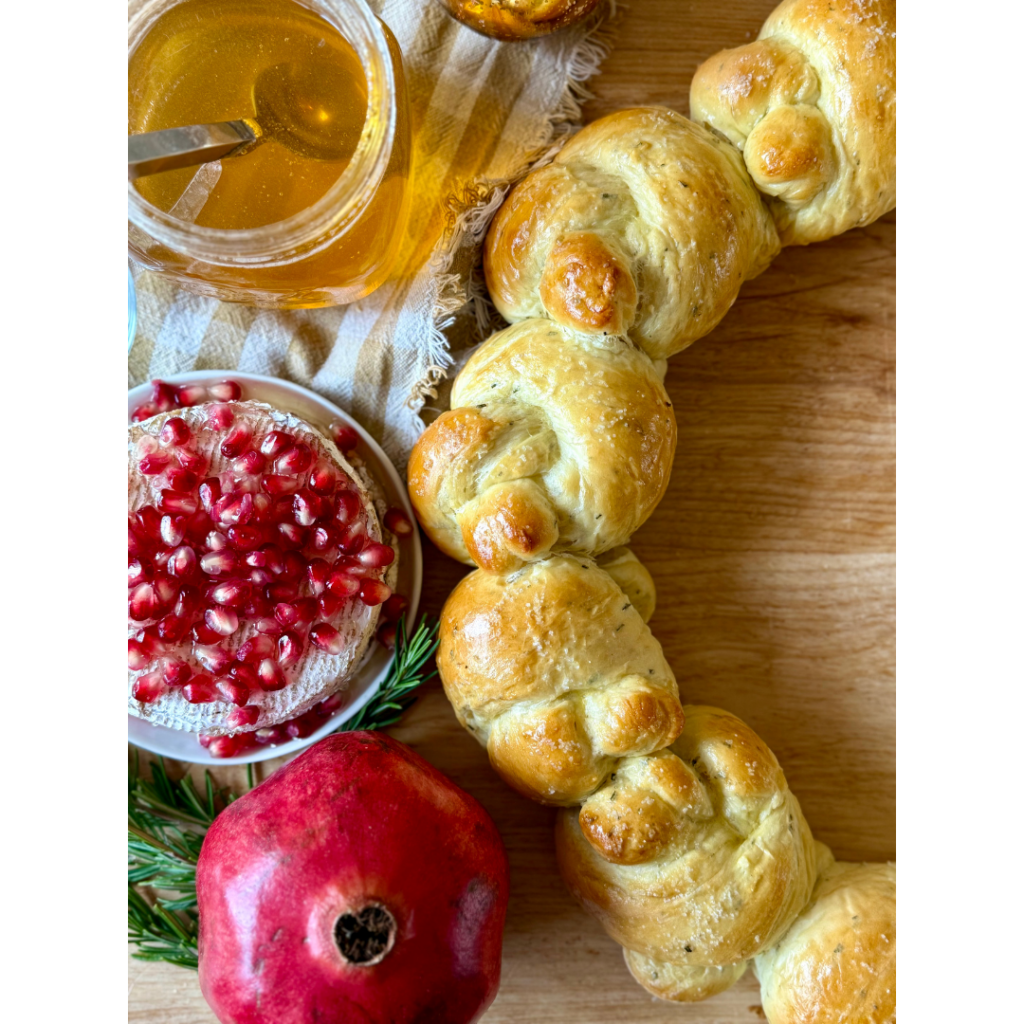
(167, 150)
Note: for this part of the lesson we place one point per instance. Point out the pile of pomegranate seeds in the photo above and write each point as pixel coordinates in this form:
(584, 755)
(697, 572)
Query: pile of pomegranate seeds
(279, 542)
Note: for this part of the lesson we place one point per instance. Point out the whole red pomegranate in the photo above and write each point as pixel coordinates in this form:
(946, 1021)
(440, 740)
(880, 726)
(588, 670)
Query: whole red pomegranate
(356, 885)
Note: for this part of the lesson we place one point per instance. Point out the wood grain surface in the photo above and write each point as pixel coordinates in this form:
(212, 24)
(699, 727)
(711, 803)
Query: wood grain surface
(773, 553)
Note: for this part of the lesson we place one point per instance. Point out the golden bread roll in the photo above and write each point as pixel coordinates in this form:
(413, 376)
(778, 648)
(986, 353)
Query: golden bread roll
(509, 20)
(553, 669)
(551, 444)
(645, 224)
(696, 857)
(837, 962)
(812, 105)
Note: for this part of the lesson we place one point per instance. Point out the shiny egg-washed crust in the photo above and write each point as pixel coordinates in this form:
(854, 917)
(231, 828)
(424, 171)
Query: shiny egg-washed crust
(697, 856)
(510, 20)
(644, 225)
(837, 963)
(553, 669)
(812, 105)
(553, 443)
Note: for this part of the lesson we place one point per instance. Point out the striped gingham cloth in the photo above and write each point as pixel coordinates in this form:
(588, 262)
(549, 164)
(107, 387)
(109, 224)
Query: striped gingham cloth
(481, 112)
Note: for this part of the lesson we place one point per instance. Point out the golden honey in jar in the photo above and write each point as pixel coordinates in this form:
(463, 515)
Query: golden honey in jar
(290, 222)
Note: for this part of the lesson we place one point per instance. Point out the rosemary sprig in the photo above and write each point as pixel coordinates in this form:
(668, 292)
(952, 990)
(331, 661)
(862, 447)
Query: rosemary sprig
(167, 818)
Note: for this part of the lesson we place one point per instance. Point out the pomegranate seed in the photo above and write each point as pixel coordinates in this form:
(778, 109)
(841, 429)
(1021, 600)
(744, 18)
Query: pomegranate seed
(256, 648)
(197, 526)
(153, 465)
(245, 538)
(182, 480)
(143, 412)
(233, 483)
(148, 688)
(262, 507)
(278, 485)
(289, 650)
(325, 538)
(344, 436)
(202, 634)
(233, 509)
(236, 442)
(146, 445)
(220, 417)
(294, 567)
(330, 604)
(183, 562)
(307, 508)
(296, 459)
(216, 541)
(143, 602)
(164, 397)
(234, 690)
(136, 572)
(209, 493)
(281, 590)
(244, 674)
(300, 728)
(260, 577)
(160, 559)
(397, 522)
(250, 463)
(180, 504)
(271, 676)
(287, 614)
(256, 559)
(172, 530)
(372, 592)
(327, 638)
(219, 563)
(274, 559)
(267, 737)
(205, 741)
(175, 432)
(327, 707)
(193, 462)
(147, 521)
(188, 395)
(225, 391)
(393, 607)
(173, 628)
(137, 542)
(307, 609)
(347, 507)
(138, 659)
(324, 478)
(291, 535)
(275, 442)
(267, 625)
(387, 634)
(258, 606)
(223, 621)
(151, 642)
(240, 718)
(176, 672)
(213, 657)
(341, 584)
(225, 746)
(233, 593)
(376, 556)
(354, 538)
(199, 690)
(317, 572)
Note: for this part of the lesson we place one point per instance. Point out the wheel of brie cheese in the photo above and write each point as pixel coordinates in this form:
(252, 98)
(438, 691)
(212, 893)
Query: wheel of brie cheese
(257, 565)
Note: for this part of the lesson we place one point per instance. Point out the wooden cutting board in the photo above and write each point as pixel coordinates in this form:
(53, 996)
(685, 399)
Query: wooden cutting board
(774, 556)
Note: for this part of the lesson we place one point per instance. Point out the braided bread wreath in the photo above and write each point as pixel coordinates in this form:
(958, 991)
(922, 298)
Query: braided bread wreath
(677, 831)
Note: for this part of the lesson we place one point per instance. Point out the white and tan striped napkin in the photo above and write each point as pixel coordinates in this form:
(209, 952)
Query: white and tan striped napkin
(482, 111)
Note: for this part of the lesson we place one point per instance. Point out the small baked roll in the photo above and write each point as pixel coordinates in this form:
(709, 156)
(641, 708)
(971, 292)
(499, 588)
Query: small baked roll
(552, 444)
(837, 963)
(812, 105)
(553, 669)
(645, 224)
(695, 858)
(510, 20)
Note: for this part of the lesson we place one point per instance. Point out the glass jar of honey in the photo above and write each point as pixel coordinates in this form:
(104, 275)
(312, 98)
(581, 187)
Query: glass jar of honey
(275, 226)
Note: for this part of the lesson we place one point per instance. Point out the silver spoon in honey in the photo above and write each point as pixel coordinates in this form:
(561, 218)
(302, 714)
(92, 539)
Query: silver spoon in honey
(297, 107)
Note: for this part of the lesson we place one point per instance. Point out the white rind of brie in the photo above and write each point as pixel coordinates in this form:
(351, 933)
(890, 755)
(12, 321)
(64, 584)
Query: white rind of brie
(319, 674)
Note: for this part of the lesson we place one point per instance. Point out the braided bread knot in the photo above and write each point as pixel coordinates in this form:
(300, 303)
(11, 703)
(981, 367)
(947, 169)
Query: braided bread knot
(553, 443)
(644, 225)
(695, 858)
(554, 670)
(812, 105)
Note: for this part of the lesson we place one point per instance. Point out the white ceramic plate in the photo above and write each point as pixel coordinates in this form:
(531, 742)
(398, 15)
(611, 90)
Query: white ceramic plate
(184, 746)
